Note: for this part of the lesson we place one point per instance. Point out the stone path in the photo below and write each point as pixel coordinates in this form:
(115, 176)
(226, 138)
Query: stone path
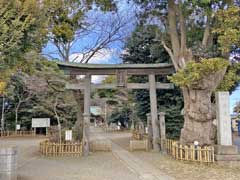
(143, 170)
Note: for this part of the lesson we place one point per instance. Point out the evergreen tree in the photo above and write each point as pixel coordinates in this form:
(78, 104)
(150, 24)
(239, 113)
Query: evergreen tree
(144, 47)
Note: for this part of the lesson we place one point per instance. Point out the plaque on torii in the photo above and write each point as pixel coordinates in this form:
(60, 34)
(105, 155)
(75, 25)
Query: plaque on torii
(121, 78)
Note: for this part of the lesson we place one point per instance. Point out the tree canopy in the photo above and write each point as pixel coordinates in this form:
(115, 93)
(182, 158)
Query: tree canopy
(23, 27)
(144, 47)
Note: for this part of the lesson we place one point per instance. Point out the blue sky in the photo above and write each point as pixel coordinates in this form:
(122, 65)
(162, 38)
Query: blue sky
(234, 98)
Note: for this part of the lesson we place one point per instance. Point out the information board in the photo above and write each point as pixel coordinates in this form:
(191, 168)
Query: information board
(68, 135)
(18, 126)
(96, 110)
(40, 122)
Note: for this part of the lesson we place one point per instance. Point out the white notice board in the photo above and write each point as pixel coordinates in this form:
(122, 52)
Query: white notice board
(18, 126)
(68, 135)
(40, 122)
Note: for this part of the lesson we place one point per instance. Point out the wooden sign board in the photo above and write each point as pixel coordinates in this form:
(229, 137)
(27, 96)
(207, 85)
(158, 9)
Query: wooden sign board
(40, 122)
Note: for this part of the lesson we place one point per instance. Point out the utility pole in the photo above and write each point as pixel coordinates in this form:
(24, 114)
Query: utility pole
(3, 109)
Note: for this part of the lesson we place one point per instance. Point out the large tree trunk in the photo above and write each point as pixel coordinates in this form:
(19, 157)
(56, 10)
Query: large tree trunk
(199, 111)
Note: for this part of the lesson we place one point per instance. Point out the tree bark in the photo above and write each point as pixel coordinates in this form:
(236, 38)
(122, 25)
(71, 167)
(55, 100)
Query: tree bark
(58, 121)
(78, 127)
(199, 111)
(207, 33)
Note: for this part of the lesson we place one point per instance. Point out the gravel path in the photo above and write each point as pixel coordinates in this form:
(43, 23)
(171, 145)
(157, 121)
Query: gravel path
(97, 166)
(121, 165)
(182, 170)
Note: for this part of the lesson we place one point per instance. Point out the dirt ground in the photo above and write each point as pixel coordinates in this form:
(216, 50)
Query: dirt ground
(104, 166)
(183, 170)
(97, 166)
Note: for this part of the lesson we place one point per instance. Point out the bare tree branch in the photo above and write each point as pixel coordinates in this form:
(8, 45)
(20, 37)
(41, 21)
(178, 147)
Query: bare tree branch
(182, 28)
(173, 27)
(171, 55)
(206, 34)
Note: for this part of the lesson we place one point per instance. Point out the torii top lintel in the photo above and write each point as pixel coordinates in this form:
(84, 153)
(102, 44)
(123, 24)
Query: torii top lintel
(111, 69)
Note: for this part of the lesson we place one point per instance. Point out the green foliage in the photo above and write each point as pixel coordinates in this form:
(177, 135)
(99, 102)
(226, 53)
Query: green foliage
(65, 18)
(22, 28)
(231, 78)
(196, 71)
(120, 114)
(42, 94)
(144, 47)
(108, 93)
(228, 28)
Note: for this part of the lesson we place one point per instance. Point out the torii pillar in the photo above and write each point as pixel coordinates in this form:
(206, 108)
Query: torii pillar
(86, 115)
(154, 115)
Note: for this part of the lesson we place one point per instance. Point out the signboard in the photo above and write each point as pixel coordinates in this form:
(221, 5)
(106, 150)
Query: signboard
(68, 135)
(146, 130)
(40, 122)
(18, 127)
(96, 110)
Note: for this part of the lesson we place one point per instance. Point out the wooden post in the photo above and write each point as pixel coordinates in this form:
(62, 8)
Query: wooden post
(149, 128)
(46, 131)
(154, 118)
(162, 129)
(2, 119)
(86, 115)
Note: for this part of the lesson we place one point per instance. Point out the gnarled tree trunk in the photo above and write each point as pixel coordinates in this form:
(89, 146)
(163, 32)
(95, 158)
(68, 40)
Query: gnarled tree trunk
(199, 111)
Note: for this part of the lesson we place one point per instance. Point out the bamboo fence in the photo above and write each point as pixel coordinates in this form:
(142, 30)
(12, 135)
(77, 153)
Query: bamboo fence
(16, 133)
(178, 151)
(138, 136)
(64, 149)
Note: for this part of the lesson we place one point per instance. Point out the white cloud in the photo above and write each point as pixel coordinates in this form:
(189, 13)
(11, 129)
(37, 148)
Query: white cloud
(98, 79)
(104, 56)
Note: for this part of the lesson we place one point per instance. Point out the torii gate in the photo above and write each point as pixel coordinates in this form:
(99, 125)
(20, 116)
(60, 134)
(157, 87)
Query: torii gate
(121, 71)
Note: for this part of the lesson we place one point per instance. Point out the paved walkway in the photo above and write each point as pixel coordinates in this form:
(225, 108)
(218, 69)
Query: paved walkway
(143, 170)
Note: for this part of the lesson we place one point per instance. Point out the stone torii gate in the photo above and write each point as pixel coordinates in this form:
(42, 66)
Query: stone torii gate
(122, 71)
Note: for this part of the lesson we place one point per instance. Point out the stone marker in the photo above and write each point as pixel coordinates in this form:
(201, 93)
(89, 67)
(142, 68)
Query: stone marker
(162, 128)
(225, 152)
(223, 119)
(149, 128)
(8, 163)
